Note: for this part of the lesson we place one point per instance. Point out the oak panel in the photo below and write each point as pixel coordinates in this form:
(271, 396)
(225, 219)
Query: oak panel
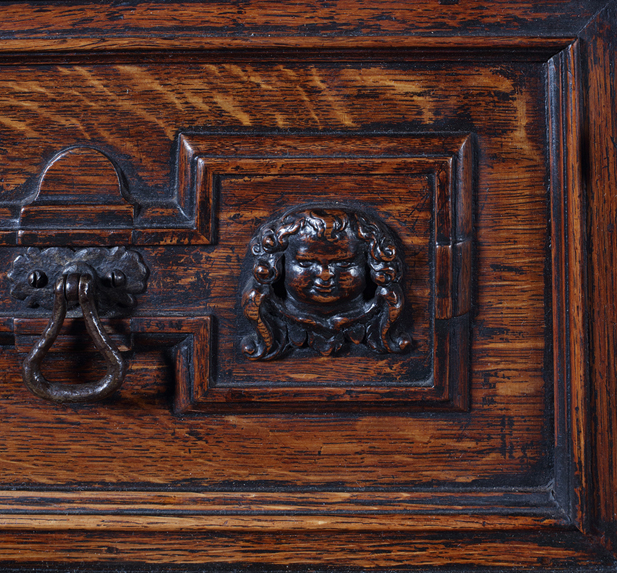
(415, 489)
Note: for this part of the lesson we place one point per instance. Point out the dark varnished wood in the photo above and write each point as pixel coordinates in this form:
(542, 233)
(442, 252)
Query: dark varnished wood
(215, 118)
(352, 23)
(600, 125)
(564, 551)
(323, 276)
(386, 173)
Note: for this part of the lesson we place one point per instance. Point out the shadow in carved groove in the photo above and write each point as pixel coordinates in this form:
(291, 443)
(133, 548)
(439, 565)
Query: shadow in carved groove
(323, 276)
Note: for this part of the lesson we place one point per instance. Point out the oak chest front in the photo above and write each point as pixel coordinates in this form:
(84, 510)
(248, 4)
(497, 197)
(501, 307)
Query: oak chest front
(322, 286)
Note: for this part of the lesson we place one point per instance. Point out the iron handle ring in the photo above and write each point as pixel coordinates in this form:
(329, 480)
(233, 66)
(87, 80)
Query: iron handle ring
(68, 393)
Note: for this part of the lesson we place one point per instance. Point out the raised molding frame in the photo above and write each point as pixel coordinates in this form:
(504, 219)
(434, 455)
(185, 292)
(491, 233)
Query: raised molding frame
(509, 530)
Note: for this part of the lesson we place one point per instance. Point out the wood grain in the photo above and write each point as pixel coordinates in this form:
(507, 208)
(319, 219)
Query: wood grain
(561, 550)
(601, 153)
(266, 22)
(519, 475)
(569, 287)
(509, 352)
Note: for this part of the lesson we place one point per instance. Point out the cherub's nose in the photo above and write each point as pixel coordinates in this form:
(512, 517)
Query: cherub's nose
(325, 273)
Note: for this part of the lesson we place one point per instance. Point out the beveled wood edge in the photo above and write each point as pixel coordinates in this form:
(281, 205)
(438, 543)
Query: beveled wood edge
(188, 337)
(188, 218)
(192, 352)
(453, 160)
(599, 129)
(19, 50)
(280, 511)
(569, 312)
(449, 390)
(392, 522)
(451, 142)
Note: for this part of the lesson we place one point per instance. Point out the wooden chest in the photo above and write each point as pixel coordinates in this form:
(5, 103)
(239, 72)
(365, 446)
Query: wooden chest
(326, 285)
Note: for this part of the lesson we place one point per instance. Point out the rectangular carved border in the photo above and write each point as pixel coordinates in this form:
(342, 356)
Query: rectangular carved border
(582, 135)
(569, 289)
(450, 158)
(34, 532)
(281, 511)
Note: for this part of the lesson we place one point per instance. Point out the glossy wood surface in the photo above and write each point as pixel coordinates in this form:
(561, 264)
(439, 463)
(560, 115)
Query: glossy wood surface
(138, 25)
(215, 118)
(601, 123)
(510, 259)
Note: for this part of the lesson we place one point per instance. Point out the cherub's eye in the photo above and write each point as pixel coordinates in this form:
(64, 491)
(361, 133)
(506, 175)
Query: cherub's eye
(304, 264)
(344, 264)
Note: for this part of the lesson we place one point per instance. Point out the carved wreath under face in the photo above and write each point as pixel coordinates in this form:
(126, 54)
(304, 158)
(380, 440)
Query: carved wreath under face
(323, 276)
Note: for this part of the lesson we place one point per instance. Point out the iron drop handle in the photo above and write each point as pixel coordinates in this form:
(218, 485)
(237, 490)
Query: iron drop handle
(68, 288)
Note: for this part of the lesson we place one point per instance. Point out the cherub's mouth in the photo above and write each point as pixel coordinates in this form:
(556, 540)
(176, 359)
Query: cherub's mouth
(325, 288)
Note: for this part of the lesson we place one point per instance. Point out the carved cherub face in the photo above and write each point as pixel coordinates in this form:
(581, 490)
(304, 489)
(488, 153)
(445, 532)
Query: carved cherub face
(325, 272)
(323, 277)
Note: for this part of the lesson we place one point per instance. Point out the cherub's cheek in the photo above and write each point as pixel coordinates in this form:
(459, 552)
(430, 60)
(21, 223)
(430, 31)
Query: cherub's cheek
(305, 276)
(301, 279)
(352, 275)
(352, 282)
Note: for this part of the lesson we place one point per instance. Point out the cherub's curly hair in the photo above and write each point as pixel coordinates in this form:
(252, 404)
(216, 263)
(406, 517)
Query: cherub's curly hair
(374, 323)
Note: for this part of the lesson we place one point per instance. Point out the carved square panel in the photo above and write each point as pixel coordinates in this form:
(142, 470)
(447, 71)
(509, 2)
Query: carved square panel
(415, 188)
